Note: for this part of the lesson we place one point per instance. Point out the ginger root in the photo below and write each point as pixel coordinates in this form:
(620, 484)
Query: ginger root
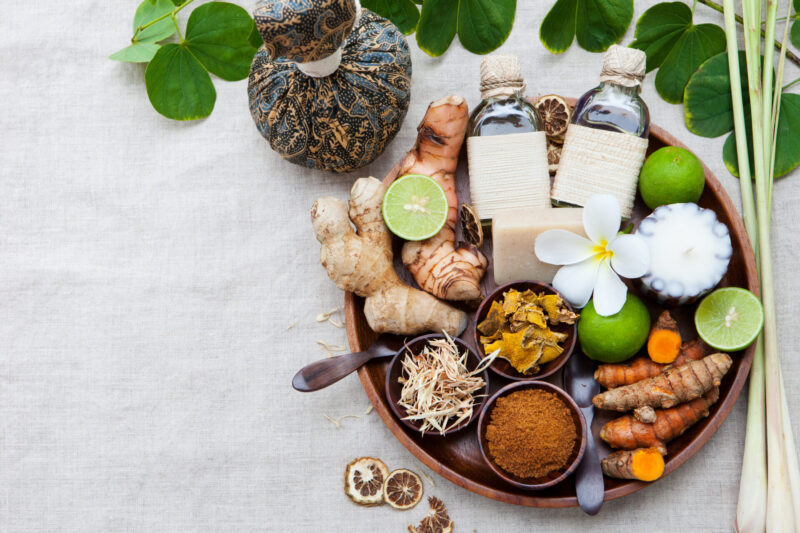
(644, 464)
(362, 263)
(615, 375)
(628, 433)
(677, 384)
(437, 265)
(664, 342)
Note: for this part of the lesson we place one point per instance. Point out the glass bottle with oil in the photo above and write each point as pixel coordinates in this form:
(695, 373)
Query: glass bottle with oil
(606, 141)
(506, 144)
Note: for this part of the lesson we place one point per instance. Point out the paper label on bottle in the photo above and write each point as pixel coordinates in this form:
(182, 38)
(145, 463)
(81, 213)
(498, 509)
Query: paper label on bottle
(598, 161)
(508, 172)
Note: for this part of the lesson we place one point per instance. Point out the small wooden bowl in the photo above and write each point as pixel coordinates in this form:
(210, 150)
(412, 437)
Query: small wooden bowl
(393, 388)
(554, 477)
(503, 367)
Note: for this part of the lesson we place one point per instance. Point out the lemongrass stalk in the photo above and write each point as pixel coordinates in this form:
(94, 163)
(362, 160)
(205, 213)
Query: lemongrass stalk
(791, 454)
(780, 512)
(751, 511)
(776, 104)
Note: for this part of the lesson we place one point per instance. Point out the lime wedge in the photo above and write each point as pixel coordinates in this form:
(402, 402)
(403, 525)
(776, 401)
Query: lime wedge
(729, 319)
(415, 207)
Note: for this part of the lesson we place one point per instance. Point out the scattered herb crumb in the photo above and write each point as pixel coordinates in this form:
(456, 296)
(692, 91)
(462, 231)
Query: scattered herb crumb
(290, 326)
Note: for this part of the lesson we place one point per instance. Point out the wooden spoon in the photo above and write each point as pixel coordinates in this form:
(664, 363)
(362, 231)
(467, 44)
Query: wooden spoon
(328, 371)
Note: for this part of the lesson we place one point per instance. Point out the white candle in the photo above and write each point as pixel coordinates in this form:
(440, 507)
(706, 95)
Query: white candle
(689, 252)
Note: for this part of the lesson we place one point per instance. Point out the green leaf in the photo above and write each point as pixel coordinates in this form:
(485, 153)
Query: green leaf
(787, 149)
(255, 39)
(403, 13)
(136, 53)
(218, 35)
(708, 110)
(438, 24)
(794, 33)
(659, 29)
(597, 24)
(148, 11)
(178, 85)
(482, 25)
(675, 46)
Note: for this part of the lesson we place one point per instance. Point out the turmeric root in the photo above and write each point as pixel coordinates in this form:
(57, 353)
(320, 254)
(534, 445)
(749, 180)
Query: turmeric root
(664, 343)
(645, 414)
(677, 384)
(362, 263)
(616, 375)
(644, 464)
(437, 265)
(628, 433)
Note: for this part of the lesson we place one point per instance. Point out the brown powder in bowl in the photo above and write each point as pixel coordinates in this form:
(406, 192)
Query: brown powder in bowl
(531, 433)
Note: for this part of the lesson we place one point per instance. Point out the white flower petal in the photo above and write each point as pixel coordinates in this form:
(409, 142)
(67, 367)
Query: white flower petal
(609, 291)
(576, 282)
(601, 218)
(631, 257)
(561, 247)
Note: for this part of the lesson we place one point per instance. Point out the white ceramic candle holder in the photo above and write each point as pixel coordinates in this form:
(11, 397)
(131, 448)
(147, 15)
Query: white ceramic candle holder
(689, 252)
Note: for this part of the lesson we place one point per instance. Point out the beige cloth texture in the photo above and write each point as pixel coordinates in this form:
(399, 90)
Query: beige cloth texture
(508, 172)
(151, 270)
(598, 161)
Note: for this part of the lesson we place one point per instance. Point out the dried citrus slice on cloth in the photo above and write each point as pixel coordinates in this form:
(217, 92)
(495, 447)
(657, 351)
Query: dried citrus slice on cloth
(415, 207)
(363, 480)
(729, 319)
(437, 520)
(402, 489)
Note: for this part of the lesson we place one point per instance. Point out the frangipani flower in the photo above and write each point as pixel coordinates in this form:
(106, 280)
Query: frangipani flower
(594, 265)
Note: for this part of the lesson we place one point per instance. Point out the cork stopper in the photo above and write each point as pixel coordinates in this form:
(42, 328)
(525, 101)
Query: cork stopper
(501, 76)
(624, 66)
(306, 31)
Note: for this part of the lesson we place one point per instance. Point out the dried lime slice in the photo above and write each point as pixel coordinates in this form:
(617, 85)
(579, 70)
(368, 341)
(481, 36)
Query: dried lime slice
(415, 207)
(729, 319)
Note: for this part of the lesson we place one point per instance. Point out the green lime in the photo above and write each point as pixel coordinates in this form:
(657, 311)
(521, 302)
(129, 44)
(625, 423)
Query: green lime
(729, 319)
(415, 207)
(611, 339)
(671, 175)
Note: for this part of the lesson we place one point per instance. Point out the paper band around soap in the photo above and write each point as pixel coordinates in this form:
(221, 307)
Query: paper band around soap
(508, 172)
(599, 161)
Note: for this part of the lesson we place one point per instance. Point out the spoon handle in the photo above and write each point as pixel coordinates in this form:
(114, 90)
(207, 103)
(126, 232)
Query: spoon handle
(589, 484)
(328, 371)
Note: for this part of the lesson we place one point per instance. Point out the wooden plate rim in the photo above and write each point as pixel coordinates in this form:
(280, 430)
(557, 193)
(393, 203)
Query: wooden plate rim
(531, 500)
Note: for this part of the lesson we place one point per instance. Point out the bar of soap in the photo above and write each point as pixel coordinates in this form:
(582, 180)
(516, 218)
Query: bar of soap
(514, 234)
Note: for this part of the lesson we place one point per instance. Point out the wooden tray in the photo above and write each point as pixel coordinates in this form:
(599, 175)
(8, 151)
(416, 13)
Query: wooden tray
(458, 457)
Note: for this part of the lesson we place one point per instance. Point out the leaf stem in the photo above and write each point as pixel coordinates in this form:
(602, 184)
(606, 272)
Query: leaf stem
(172, 14)
(791, 83)
(177, 28)
(717, 7)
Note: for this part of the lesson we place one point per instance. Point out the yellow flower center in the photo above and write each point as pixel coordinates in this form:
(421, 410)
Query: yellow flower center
(602, 252)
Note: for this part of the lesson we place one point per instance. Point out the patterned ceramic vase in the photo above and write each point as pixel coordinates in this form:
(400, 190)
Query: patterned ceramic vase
(330, 87)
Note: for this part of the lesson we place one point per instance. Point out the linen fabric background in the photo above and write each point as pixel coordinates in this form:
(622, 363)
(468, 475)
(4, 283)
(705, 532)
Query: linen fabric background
(150, 270)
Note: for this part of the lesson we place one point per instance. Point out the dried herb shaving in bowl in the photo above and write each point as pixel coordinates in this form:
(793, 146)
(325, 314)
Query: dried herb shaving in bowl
(439, 390)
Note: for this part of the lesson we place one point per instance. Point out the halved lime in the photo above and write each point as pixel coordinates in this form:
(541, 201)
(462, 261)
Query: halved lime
(415, 207)
(729, 319)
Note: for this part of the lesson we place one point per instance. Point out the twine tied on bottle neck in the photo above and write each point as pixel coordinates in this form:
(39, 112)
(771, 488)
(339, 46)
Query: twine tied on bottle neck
(624, 66)
(501, 77)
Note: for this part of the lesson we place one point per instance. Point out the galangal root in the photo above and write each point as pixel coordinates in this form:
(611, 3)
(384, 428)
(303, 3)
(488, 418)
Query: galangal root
(628, 433)
(362, 263)
(616, 375)
(437, 265)
(675, 385)
(644, 464)
(664, 342)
